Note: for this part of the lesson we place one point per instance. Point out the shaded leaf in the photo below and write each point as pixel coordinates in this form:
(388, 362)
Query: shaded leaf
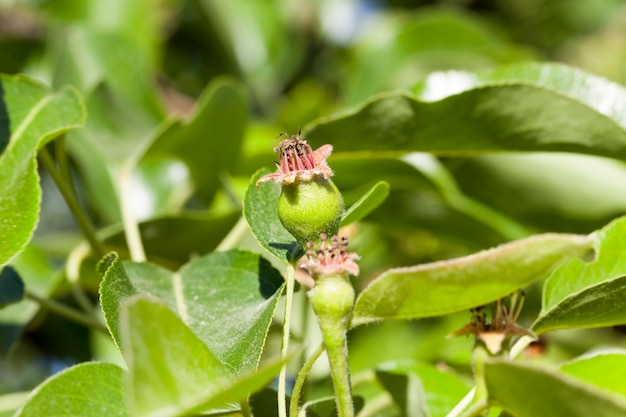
(448, 286)
(580, 294)
(529, 391)
(89, 389)
(227, 299)
(414, 385)
(401, 49)
(11, 286)
(260, 208)
(327, 407)
(30, 116)
(172, 240)
(209, 142)
(373, 198)
(41, 279)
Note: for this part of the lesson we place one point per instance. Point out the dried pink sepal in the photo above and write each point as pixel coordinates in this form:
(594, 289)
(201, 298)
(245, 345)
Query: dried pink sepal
(298, 162)
(330, 258)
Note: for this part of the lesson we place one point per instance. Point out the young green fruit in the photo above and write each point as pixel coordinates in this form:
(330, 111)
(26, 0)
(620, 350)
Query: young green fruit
(310, 203)
(310, 208)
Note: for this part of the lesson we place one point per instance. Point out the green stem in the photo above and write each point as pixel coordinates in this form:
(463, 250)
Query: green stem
(234, 236)
(67, 312)
(516, 349)
(131, 227)
(72, 202)
(302, 375)
(332, 299)
(282, 377)
(245, 408)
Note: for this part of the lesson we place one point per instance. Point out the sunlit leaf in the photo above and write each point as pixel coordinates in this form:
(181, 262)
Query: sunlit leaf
(588, 294)
(448, 286)
(30, 116)
(529, 391)
(89, 389)
(227, 299)
(550, 108)
(366, 204)
(261, 211)
(604, 369)
(188, 376)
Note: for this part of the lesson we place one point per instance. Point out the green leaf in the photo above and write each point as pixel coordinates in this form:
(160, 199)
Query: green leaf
(30, 116)
(603, 369)
(9, 403)
(227, 299)
(566, 110)
(210, 141)
(114, 288)
(373, 198)
(406, 391)
(580, 294)
(40, 278)
(459, 284)
(414, 385)
(171, 371)
(402, 48)
(171, 240)
(260, 207)
(89, 389)
(327, 407)
(529, 391)
(11, 286)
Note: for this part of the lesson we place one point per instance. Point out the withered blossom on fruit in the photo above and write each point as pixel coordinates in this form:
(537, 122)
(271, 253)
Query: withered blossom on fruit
(330, 257)
(503, 324)
(298, 161)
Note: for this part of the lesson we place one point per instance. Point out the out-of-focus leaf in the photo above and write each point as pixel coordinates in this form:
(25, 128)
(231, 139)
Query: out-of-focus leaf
(459, 284)
(366, 204)
(41, 279)
(406, 391)
(326, 407)
(11, 286)
(173, 240)
(547, 108)
(414, 385)
(529, 391)
(227, 299)
(30, 116)
(89, 389)
(580, 294)
(189, 377)
(160, 186)
(260, 208)
(210, 141)
(553, 192)
(260, 39)
(9, 403)
(400, 50)
(604, 369)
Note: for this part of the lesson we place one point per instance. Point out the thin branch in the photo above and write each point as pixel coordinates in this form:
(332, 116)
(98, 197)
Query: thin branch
(67, 312)
(72, 202)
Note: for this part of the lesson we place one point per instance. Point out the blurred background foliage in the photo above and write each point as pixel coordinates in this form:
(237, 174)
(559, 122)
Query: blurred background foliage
(188, 96)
